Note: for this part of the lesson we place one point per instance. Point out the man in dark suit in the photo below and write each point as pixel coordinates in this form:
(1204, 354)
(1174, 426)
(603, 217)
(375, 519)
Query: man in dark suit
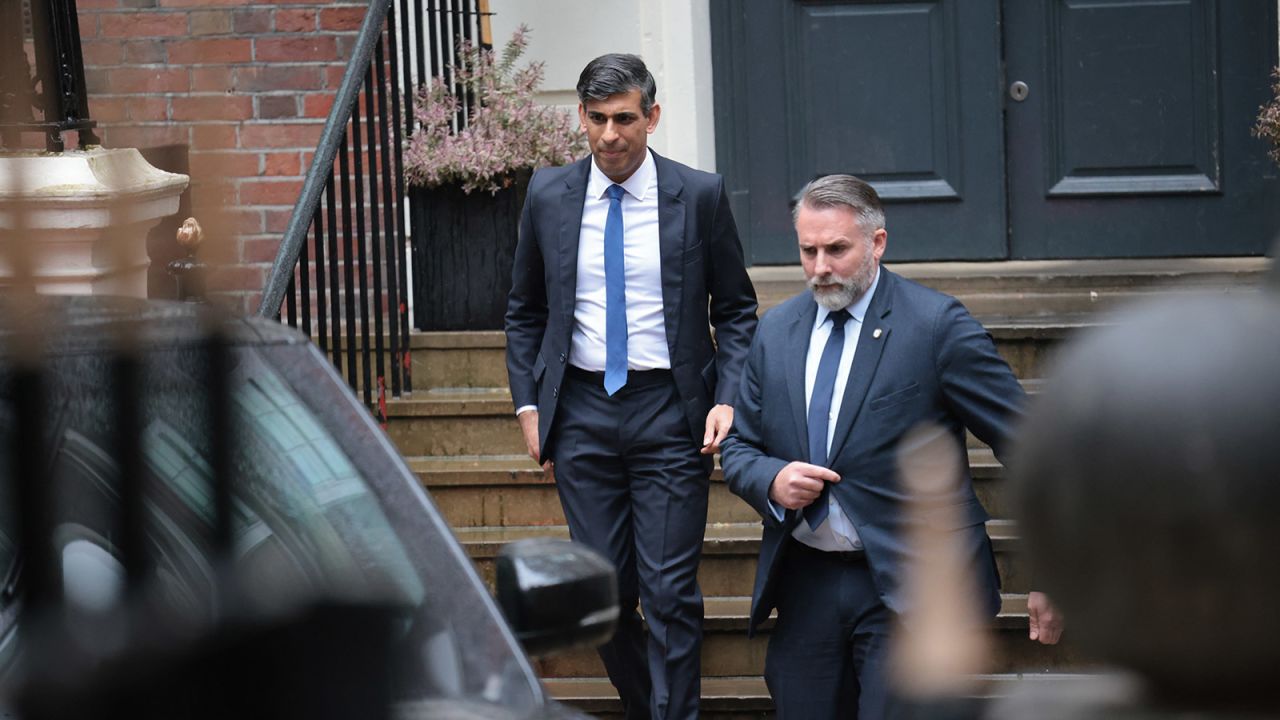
(625, 259)
(834, 379)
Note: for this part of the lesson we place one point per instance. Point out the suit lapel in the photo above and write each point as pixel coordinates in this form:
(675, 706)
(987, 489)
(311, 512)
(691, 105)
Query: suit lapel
(571, 203)
(671, 242)
(872, 339)
(797, 352)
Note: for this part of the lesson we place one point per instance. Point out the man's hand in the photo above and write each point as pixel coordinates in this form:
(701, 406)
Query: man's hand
(1045, 619)
(719, 420)
(798, 484)
(529, 426)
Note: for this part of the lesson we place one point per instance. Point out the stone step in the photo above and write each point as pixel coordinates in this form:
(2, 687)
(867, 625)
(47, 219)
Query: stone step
(726, 698)
(478, 359)
(511, 490)
(729, 553)
(1027, 289)
(727, 651)
(450, 422)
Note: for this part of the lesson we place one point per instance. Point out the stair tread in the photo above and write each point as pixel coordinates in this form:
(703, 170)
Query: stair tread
(462, 470)
(719, 537)
(729, 612)
(752, 688)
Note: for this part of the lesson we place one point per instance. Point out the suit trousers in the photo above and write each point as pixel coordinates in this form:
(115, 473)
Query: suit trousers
(828, 652)
(634, 487)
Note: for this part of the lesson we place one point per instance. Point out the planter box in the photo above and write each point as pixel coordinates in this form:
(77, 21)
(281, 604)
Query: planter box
(462, 256)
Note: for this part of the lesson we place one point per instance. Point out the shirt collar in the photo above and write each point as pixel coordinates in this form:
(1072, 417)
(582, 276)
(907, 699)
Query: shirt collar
(639, 185)
(859, 307)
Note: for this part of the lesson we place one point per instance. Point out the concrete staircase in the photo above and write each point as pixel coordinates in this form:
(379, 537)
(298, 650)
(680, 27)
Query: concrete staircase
(458, 434)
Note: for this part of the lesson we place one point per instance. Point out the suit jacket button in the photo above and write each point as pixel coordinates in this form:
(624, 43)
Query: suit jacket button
(555, 392)
(562, 357)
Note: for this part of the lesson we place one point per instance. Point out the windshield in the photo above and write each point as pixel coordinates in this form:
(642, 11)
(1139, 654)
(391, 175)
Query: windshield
(322, 507)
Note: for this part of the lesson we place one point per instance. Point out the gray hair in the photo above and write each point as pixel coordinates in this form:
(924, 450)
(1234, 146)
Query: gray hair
(844, 190)
(617, 73)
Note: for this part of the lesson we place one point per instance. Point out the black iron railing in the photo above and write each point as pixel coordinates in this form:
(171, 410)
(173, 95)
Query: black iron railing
(57, 87)
(341, 273)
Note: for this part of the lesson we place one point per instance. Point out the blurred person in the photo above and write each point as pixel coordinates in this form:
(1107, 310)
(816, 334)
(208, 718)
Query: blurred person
(624, 261)
(834, 379)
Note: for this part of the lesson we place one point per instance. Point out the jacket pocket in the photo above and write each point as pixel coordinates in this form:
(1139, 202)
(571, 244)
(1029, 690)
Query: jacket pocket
(895, 397)
(693, 253)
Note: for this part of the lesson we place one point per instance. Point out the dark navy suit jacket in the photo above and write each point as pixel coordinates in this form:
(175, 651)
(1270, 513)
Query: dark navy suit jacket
(920, 358)
(704, 283)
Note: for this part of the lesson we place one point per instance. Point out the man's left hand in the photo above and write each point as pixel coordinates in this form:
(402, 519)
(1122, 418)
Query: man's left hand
(1045, 619)
(719, 420)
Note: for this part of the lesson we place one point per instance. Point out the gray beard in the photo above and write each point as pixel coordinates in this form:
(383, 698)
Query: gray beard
(851, 288)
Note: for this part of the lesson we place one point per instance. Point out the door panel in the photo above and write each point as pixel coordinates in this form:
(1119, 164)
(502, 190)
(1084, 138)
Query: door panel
(1134, 137)
(903, 94)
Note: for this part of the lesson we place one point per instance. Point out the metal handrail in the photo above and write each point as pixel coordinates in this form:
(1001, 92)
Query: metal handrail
(321, 169)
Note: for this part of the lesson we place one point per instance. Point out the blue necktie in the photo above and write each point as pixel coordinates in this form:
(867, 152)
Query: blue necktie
(820, 410)
(615, 296)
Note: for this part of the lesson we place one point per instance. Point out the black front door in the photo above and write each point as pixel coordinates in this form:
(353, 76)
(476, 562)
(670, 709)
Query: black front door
(1132, 137)
(1004, 128)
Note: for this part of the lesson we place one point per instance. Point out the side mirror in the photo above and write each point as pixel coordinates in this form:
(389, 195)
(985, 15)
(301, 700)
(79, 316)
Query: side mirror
(557, 594)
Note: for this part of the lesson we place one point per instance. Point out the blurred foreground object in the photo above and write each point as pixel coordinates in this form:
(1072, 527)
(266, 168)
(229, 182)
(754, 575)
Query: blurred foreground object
(84, 217)
(1150, 478)
(944, 646)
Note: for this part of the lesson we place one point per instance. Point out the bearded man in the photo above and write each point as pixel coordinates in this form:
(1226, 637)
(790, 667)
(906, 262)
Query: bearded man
(835, 377)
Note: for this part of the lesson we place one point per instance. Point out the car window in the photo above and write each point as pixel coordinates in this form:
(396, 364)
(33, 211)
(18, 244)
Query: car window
(322, 506)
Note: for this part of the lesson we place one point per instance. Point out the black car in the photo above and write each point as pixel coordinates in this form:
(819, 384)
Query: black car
(324, 507)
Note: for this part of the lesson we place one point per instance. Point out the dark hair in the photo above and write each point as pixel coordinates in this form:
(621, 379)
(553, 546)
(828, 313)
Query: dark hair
(617, 73)
(847, 190)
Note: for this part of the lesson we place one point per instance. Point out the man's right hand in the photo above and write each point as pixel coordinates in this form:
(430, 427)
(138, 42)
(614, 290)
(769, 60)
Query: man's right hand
(529, 426)
(798, 484)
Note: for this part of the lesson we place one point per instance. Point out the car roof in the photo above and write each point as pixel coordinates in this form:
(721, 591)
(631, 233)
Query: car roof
(94, 324)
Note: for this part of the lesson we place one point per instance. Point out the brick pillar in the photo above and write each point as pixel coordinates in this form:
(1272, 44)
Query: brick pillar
(241, 88)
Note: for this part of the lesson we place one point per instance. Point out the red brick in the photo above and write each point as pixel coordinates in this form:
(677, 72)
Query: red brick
(213, 107)
(144, 24)
(107, 109)
(225, 165)
(144, 52)
(277, 221)
(251, 22)
(270, 192)
(148, 109)
(314, 48)
(211, 22)
(242, 221)
(333, 75)
(275, 107)
(279, 77)
(146, 136)
(280, 135)
(289, 164)
(101, 52)
(210, 52)
(303, 20)
(317, 105)
(259, 250)
(146, 80)
(348, 18)
(238, 277)
(220, 136)
(199, 3)
(83, 5)
(212, 79)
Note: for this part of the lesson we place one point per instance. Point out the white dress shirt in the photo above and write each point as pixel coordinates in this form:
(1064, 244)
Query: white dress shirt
(836, 533)
(646, 328)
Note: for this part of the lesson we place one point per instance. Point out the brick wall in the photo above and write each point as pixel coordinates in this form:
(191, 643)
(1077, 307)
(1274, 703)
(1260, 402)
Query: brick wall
(233, 92)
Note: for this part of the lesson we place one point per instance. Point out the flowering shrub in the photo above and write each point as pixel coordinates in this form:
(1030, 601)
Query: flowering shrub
(507, 130)
(1268, 127)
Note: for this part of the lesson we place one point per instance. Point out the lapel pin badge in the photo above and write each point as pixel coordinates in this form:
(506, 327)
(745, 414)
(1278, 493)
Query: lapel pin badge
(876, 334)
